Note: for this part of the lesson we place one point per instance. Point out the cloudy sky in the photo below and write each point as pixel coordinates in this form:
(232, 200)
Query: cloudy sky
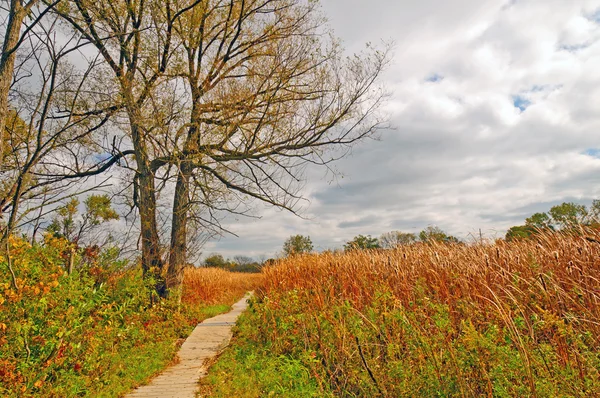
(496, 113)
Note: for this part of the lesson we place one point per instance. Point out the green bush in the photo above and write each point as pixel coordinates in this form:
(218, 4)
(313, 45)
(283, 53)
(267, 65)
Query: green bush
(91, 333)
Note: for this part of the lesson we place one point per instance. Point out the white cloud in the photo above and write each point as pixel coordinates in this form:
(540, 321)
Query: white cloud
(462, 155)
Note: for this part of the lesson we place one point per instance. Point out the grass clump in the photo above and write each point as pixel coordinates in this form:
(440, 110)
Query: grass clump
(249, 369)
(503, 320)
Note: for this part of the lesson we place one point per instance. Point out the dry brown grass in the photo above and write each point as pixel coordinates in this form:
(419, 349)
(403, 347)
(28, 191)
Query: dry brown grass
(487, 319)
(214, 285)
(555, 273)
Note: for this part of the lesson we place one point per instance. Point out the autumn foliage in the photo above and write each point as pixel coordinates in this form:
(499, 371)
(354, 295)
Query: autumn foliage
(94, 332)
(439, 319)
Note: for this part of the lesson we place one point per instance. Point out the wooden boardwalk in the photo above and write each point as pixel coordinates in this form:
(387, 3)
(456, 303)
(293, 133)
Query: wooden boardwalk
(205, 342)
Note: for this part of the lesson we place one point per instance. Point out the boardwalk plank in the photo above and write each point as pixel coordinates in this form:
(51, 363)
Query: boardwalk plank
(205, 342)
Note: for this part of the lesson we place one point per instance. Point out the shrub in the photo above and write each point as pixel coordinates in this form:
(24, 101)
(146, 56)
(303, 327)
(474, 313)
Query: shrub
(92, 332)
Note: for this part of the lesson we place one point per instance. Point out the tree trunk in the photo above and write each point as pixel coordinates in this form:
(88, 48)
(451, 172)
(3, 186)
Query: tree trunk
(177, 254)
(71, 261)
(152, 264)
(7, 62)
(181, 203)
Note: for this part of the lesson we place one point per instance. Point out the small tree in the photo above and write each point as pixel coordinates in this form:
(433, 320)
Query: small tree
(435, 234)
(569, 215)
(594, 214)
(534, 224)
(67, 223)
(390, 240)
(519, 232)
(63, 224)
(362, 242)
(541, 221)
(75, 227)
(297, 244)
(217, 261)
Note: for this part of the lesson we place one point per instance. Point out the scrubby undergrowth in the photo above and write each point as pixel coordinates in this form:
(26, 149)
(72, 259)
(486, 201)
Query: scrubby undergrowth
(92, 333)
(505, 319)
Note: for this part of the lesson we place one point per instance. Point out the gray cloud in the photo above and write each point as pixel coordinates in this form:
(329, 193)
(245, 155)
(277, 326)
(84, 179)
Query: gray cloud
(461, 154)
(362, 222)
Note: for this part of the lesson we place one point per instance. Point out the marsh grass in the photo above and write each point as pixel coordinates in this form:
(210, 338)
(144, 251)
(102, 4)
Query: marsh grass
(215, 285)
(502, 319)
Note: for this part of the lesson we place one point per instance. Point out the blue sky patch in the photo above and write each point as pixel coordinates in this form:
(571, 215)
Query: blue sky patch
(595, 16)
(544, 88)
(520, 102)
(573, 48)
(102, 157)
(593, 152)
(434, 78)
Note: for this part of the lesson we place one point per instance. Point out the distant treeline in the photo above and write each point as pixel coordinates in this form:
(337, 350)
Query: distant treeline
(566, 217)
(237, 264)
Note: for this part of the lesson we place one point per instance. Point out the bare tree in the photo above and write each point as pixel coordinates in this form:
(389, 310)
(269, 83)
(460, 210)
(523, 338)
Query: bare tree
(393, 239)
(134, 41)
(226, 101)
(270, 92)
(243, 260)
(15, 33)
(49, 140)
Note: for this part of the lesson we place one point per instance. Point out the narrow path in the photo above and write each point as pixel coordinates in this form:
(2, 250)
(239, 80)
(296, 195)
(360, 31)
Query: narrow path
(205, 342)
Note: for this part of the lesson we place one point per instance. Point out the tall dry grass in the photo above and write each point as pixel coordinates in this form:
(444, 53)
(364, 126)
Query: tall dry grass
(215, 285)
(504, 319)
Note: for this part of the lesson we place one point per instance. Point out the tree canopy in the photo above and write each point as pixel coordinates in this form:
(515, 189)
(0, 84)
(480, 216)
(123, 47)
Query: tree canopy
(565, 217)
(435, 234)
(393, 239)
(362, 242)
(206, 108)
(297, 244)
